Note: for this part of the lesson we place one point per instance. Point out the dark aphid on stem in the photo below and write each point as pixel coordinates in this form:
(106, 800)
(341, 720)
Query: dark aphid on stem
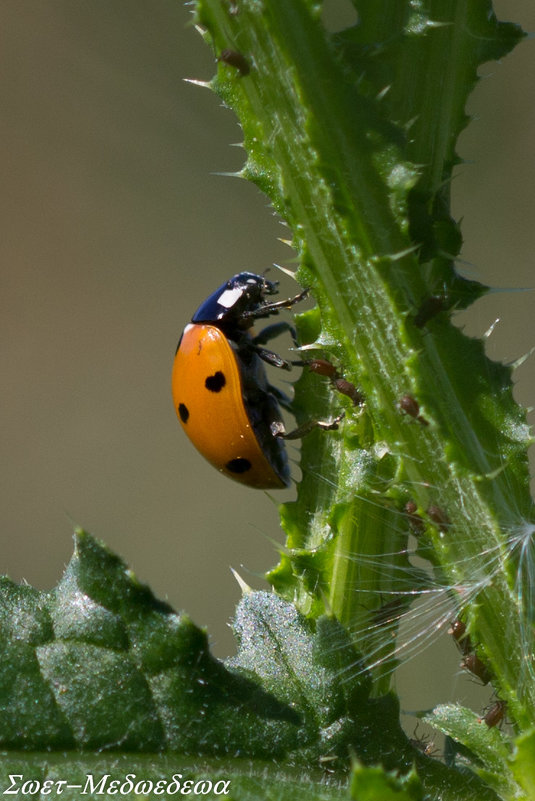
(322, 367)
(410, 406)
(494, 714)
(415, 521)
(235, 59)
(439, 517)
(461, 636)
(347, 388)
(474, 665)
(428, 309)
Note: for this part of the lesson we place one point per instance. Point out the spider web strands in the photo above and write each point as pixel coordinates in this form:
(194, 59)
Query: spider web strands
(522, 552)
(406, 622)
(405, 616)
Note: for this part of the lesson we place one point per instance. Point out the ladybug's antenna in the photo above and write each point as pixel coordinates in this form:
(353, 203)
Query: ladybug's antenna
(273, 283)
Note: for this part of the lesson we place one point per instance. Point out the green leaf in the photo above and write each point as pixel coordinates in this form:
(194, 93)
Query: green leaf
(352, 135)
(293, 659)
(523, 763)
(29, 715)
(371, 784)
(95, 775)
(486, 749)
(313, 666)
(99, 662)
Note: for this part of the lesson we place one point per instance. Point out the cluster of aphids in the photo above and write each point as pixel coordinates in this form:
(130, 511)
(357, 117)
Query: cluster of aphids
(474, 665)
(435, 513)
(409, 405)
(338, 382)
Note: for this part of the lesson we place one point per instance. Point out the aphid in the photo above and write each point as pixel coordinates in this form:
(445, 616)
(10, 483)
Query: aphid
(415, 521)
(411, 407)
(235, 59)
(322, 367)
(474, 665)
(439, 517)
(460, 635)
(428, 309)
(347, 388)
(494, 714)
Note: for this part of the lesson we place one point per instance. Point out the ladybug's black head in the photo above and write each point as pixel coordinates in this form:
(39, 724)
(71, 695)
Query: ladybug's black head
(228, 305)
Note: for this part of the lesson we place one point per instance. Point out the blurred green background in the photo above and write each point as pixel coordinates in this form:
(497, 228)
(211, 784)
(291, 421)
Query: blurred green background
(115, 226)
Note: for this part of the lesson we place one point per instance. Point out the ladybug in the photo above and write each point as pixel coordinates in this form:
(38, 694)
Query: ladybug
(221, 392)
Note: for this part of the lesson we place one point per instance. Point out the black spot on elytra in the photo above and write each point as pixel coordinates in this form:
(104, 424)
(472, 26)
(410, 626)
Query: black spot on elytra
(183, 412)
(215, 382)
(238, 465)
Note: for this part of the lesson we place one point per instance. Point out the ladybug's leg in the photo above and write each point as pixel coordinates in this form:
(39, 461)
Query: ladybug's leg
(268, 356)
(281, 397)
(271, 331)
(274, 359)
(278, 430)
(272, 308)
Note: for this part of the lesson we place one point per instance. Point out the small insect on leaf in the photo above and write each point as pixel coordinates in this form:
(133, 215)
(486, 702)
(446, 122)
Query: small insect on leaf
(423, 743)
(349, 390)
(461, 636)
(439, 517)
(474, 665)
(322, 367)
(416, 523)
(429, 308)
(410, 406)
(494, 714)
(235, 59)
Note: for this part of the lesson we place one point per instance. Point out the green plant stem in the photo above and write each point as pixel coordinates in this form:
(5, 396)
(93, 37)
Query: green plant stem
(339, 172)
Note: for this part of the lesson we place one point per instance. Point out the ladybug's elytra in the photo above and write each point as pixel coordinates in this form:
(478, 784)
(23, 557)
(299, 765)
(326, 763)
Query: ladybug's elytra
(221, 392)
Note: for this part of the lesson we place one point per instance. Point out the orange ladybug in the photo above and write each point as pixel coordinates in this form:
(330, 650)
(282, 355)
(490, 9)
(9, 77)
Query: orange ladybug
(221, 392)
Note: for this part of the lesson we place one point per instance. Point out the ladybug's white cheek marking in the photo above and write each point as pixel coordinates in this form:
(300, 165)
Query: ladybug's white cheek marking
(229, 297)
